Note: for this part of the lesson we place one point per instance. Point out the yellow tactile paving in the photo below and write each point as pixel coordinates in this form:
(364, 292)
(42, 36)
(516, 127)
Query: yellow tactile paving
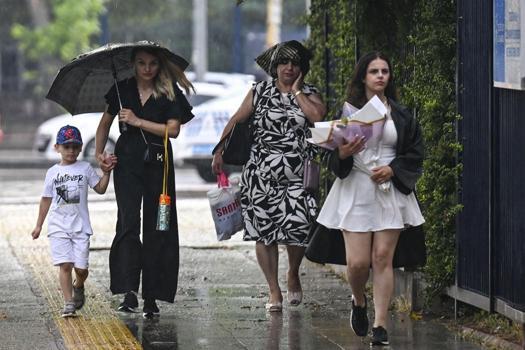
(97, 325)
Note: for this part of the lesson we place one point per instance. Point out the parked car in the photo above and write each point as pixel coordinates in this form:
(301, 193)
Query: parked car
(198, 137)
(213, 86)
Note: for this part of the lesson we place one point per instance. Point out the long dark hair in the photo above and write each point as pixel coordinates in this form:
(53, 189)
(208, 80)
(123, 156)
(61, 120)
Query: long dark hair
(355, 91)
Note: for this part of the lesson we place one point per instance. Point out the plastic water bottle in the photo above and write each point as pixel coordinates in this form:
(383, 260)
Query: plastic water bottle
(163, 215)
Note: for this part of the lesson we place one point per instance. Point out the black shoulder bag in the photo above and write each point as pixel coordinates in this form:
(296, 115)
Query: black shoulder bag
(238, 142)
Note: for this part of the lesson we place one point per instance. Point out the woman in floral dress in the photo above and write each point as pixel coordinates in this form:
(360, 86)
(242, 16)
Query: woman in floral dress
(276, 207)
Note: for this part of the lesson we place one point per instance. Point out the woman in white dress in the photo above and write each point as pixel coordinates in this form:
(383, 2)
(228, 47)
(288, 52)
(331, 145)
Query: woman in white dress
(372, 198)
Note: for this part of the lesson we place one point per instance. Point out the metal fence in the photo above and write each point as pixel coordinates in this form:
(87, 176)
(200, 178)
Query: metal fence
(491, 227)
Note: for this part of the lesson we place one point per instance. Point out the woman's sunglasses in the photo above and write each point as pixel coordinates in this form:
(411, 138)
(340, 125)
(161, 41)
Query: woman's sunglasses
(286, 60)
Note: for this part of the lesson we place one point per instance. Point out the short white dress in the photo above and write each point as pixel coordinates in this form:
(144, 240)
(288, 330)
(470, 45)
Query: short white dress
(358, 204)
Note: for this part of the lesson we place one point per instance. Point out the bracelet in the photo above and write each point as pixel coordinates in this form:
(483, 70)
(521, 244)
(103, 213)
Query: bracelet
(297, 93)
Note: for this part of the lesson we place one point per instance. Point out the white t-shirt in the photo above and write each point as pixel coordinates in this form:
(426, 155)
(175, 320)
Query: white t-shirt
(68, 187)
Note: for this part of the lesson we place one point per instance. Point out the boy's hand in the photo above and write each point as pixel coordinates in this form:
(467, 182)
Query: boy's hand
(109, 158)
(36, 232)
(106, 158)
(106, 168)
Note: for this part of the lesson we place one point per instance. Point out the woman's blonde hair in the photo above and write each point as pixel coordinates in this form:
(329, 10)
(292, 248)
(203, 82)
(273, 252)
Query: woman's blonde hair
(169, 73)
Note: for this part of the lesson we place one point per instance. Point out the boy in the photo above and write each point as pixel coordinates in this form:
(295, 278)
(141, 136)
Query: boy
(69, 228)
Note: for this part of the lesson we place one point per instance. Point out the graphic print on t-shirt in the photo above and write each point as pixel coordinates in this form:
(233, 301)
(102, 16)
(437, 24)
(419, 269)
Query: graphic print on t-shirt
(68, 188)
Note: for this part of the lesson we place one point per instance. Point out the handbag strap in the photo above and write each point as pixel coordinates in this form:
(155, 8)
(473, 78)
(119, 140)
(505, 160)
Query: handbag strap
(143, 136)
(250, 123)
(166, 165)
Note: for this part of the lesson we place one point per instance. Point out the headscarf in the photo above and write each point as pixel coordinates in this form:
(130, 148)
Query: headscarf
(292, 50)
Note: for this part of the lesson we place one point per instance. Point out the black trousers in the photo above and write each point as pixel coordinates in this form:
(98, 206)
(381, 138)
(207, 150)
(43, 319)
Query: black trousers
(157, 255)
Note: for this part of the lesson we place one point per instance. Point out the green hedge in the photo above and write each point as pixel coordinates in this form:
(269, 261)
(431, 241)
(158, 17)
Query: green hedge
(419, 37)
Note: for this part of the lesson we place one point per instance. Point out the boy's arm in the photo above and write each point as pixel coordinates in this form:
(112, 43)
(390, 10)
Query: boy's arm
(102, 185)
(45, 203)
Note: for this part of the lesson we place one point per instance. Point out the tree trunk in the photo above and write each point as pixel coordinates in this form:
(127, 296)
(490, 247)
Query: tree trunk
(39, 11)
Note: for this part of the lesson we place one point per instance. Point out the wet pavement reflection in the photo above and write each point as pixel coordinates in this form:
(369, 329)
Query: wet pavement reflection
(220, 305)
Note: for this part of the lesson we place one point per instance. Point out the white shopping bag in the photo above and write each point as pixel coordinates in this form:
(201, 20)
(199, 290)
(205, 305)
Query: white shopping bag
(225, 204)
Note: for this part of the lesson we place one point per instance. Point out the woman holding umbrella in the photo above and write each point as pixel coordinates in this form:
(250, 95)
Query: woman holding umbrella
(148, 103)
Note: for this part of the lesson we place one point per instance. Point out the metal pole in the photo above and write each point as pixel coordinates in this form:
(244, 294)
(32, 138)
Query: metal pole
(492, 131)
(308, 4)
(237, 48)
(459, 134)
(273, 22)
(200, 38)
(104, 28)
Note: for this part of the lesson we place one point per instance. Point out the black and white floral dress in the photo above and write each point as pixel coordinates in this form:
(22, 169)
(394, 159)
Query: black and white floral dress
(276, 208)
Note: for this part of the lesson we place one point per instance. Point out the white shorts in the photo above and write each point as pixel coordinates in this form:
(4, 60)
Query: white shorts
(70, 248)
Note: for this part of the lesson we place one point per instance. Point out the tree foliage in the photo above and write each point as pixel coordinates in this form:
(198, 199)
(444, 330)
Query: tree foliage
(69, 32)
(419, 37)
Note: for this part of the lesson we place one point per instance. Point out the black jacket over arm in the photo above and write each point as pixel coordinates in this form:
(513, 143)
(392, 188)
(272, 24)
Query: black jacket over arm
(408, 163)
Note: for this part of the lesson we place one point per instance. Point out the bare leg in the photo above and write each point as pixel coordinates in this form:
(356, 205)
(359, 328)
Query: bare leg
(80, 277)
(295, 256)
(383, 248)
(268, 259)
(64, 277)
(358, 247)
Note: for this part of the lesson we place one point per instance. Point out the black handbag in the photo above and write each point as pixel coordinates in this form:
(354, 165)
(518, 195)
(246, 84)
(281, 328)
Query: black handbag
(327, 246)
(237, 143)
(154, 153)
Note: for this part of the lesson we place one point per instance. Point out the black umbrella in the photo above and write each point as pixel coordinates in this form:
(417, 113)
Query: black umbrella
(80, 85)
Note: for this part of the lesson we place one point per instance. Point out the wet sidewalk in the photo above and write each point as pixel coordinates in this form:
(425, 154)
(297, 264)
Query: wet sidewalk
(219, 305)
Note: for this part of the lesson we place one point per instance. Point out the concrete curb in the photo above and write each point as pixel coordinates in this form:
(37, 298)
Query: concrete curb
(26, 163)
(489, 339)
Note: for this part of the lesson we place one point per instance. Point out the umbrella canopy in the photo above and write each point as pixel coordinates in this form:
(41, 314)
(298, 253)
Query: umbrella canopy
(80, 85)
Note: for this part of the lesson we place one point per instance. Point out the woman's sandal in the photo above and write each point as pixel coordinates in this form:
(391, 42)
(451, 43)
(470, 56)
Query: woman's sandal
(295, 298)
(274, 307)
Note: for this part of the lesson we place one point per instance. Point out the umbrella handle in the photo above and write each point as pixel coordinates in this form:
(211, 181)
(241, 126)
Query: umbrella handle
(123, 127)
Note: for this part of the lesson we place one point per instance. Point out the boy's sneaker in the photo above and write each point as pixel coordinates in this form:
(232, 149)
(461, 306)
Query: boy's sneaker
(379, 336)
(79, 297)
(69, 309)
(359, 319)
(130, 303)
(150, 308)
